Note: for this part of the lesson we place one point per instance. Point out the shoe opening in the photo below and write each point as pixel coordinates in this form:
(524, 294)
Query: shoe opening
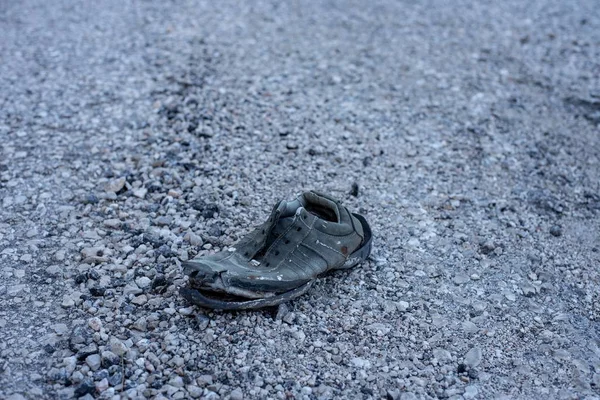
(327, 213)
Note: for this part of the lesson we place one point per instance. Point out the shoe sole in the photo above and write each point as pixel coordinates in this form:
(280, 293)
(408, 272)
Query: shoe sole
(194, 296)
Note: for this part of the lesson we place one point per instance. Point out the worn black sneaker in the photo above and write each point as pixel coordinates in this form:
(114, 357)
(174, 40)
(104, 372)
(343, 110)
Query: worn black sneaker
(279, 260)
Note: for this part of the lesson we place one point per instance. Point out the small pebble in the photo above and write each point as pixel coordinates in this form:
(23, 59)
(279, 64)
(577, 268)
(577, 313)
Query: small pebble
(460, 279)
(102, 385)
(113, 223)
(402, 305)
(93, 361)
(143, 282)
(187, 311)
(95, 323)
(140, 192)
(470, 392)
(60, 329)
(115, 185)
(473, 357)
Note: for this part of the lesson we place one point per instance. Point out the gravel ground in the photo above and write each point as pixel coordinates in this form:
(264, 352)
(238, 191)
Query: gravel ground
(136, 134)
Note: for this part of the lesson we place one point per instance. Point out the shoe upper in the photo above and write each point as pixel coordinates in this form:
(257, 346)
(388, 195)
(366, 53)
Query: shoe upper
(301, 239)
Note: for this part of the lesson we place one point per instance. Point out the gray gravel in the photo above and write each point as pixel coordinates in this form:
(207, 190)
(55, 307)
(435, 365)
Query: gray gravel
(136, 134)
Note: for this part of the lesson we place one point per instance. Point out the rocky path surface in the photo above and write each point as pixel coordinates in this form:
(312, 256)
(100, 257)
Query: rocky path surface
(136, 134)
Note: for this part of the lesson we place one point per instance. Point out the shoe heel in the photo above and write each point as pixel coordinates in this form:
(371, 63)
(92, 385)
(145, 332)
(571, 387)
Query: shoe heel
(362, 253)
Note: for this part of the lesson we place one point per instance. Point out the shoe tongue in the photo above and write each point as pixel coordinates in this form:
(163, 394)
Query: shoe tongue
(289, 208)
(283, 217)
(283, 224)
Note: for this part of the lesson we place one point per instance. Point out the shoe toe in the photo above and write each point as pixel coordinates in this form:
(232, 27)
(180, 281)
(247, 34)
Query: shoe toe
(204, 271)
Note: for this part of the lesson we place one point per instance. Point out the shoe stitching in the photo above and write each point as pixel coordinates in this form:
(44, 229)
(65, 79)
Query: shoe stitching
(301, 241)
(319, 254)
(327, 233)
(279, 239)
(298, 273)
(248, 240)
(295, 270)
(331, 248)
(338, 236)
(311, 224)
(308, 264)
(268, 251)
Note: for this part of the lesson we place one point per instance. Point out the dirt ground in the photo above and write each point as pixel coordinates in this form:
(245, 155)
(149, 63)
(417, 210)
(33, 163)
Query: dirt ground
(138, 134)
